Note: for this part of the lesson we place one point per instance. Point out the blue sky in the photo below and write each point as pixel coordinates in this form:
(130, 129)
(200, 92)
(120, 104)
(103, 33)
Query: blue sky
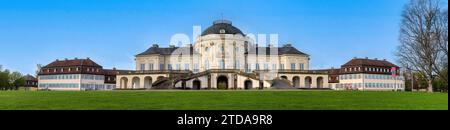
(111, 32)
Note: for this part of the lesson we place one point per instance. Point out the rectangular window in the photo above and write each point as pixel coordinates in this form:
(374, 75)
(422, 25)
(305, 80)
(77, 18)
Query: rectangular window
(257, 66)
(186, 67)
(196, 68)
(274, 67)
(150, 67)
(169, 66)
(142, 66)
(302, 66)
(178, 66)
(266, 66)
(222, 64)
(248, 68)
(237, 66)
(282, 66)
(161, 67)
(292, 66)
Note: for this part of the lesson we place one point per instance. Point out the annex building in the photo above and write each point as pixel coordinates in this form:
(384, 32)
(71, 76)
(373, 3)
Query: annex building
(76, 74)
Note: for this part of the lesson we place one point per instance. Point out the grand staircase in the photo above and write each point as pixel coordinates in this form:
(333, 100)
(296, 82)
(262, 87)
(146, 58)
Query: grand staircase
(169, 82)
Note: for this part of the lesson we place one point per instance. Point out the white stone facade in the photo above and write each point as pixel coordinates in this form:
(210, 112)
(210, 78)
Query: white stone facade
(73, 82)
(374, 82)
(212, 52)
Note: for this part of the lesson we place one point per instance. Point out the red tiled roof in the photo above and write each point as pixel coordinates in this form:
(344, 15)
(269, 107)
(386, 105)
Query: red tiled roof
(334, 71)
(111, 71)
(30, 78)
(369, 62)
(74, 62)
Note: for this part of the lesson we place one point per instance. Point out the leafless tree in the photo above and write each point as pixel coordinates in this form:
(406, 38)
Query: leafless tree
(420, 37)
(442, 68)
(38, 70)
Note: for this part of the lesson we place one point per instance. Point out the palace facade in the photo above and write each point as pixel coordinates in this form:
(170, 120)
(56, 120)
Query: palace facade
(223, 57)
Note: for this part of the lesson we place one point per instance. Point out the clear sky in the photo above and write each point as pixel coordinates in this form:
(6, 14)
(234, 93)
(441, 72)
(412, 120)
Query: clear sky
(111, 32)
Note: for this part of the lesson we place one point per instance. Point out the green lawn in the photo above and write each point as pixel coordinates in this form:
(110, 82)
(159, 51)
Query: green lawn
(220, 100)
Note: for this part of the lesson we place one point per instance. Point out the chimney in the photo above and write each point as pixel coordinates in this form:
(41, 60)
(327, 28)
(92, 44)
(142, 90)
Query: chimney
(87, 58)
(114, 68)
(384, 59)
(354, 57)
(171, 46)
(367, 58)
(76, 58)
(66, 59)
(57, 59)
(287, 45)
(376, 58)
(155, 46)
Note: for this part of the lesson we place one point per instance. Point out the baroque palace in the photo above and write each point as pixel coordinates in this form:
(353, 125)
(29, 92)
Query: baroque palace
(222, 58)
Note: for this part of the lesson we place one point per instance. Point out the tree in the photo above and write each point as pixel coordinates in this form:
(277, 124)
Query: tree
(19, 82)
(4, 79)
(16, 80)
(442, 68)
(420, 38)
(38, 70)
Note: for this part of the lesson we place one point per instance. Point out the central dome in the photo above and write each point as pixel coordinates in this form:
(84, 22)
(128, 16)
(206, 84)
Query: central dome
(222, 27)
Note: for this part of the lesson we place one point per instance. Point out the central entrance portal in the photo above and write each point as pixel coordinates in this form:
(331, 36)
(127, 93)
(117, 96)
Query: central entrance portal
(197, 85)
(222, 83)
(248, 84)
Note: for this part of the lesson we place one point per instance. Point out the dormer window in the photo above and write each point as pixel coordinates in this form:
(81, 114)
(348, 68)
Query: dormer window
(222, 31)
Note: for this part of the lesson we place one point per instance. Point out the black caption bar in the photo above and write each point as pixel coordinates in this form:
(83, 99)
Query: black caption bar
(257, 119)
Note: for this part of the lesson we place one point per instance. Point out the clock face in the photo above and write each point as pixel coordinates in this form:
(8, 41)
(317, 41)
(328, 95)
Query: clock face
(222, 31)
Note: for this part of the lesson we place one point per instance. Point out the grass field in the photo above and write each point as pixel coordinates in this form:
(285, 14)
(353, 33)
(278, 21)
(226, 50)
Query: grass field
(221, 100)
